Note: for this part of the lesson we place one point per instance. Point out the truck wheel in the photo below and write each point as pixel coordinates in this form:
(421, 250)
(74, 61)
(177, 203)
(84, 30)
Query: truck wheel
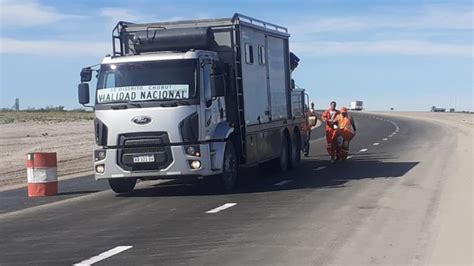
(230, 169)
(283, 161)
(122, 185)
(295, 157)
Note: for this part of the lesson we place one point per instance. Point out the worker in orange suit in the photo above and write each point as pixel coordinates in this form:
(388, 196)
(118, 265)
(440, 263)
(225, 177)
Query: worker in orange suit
(330, 118)
(309, 125)
(345, 133)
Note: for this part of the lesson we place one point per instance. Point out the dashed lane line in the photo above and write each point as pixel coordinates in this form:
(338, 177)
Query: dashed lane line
(384, 139)
(284, 182)
(103, 256)
(363, 150)
(221, 208)
(320, 168)
(376, 144)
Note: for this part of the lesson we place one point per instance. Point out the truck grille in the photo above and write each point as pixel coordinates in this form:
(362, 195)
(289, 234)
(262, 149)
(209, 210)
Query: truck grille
(144, 143)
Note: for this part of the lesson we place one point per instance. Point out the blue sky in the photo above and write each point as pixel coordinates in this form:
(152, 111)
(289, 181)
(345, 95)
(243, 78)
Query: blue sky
(409, 55)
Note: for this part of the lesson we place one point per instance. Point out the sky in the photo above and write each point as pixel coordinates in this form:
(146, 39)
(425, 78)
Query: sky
(406, 55)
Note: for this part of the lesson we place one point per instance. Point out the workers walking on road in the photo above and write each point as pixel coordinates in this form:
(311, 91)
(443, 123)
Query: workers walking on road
(345, 132)
(330, 117)
(310, 125)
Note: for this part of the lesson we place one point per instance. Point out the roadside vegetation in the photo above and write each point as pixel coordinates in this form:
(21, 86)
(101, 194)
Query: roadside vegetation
(49, 114)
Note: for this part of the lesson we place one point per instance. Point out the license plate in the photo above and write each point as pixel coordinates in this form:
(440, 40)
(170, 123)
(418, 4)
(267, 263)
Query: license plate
(144, 159)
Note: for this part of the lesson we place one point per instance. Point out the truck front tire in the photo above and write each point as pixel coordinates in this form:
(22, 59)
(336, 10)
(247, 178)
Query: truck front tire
(230, 168)
(122, 185)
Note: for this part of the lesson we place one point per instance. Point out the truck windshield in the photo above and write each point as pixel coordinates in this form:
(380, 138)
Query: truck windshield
(147, 81)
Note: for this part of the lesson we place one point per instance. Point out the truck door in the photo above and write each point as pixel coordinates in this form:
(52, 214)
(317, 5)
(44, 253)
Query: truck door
(210, 115)
(277, 77)
(254, 81)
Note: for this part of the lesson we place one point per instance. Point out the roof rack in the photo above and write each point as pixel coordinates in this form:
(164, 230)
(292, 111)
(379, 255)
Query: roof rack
(257, 22)
(121, 35)
(118, 35)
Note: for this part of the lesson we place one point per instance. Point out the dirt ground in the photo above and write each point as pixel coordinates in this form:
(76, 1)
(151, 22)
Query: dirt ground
(71, 135)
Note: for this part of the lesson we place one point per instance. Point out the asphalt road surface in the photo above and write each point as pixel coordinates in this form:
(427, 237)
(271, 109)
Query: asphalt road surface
(403, 197)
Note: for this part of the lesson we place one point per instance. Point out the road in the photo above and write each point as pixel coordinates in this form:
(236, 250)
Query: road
(404, 197)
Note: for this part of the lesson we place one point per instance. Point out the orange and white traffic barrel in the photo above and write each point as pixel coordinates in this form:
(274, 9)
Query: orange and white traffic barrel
(42, 174)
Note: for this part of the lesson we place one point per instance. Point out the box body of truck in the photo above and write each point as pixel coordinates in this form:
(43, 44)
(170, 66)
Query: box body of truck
(143, 136)
(357, 105)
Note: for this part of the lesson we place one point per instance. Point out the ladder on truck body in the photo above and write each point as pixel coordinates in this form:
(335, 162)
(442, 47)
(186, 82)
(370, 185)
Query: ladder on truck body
(235, 36)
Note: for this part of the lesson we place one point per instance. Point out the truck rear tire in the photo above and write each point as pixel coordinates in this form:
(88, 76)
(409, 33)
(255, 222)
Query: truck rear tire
(122, 185)
(283, 161)
(295, 156)
(230, 168)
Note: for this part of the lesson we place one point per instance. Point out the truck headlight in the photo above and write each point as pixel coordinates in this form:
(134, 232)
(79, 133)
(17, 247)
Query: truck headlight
(193, 150)
(100, 169)
(196, 164)
(99, 155)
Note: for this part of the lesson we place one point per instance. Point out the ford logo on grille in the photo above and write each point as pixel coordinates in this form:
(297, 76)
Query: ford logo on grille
(141, 120)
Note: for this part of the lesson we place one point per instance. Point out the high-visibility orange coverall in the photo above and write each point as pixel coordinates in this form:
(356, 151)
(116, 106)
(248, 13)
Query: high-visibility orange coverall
(330, 117)
(347, 131)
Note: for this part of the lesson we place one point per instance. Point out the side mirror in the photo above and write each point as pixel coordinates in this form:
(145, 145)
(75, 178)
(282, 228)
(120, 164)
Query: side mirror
(86, 74)
(218, 85)
(83, 93)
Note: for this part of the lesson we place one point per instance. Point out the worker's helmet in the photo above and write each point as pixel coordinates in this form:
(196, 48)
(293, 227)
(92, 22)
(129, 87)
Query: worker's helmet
(343, 110)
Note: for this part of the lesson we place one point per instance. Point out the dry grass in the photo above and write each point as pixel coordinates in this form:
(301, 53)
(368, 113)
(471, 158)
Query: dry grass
(8, 117)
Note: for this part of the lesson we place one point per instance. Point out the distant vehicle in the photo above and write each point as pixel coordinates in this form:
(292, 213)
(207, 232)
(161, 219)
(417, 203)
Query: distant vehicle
(195, 98)
(438, 110)
(356, 105)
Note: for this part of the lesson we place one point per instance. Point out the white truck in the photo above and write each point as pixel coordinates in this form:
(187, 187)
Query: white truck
(195, 98)
(357, 105)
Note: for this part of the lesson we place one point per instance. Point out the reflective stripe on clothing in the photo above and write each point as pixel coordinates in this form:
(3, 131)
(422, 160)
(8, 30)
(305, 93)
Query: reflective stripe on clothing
(327, 117)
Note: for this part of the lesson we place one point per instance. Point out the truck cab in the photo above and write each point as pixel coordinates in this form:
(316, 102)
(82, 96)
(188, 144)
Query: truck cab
(170, 102)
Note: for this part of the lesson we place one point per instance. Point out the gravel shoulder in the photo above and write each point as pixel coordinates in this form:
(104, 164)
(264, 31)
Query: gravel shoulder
(72, 140)
(450, 235)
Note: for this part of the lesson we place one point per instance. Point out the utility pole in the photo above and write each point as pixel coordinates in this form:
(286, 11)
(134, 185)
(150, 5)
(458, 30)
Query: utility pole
(16, 105)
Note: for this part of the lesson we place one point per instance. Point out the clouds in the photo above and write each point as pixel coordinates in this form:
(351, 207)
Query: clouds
(20, 17)
(54, 48)
(389, 31)
(430, 31)
(116, 14)
(29, 13)
(388, 47)
(429, 18)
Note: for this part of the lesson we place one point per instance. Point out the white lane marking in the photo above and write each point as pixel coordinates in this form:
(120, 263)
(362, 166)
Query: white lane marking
(174, 173)
(384, 139)
(320, 168)
(350, 156)
(104, 255)
(284, 182)
(221, 208)
(363, 150)
(390, 136)
(376, 143)
(314, 140)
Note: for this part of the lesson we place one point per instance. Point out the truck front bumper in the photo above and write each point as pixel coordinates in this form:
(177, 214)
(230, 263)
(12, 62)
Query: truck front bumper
(181, 164)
